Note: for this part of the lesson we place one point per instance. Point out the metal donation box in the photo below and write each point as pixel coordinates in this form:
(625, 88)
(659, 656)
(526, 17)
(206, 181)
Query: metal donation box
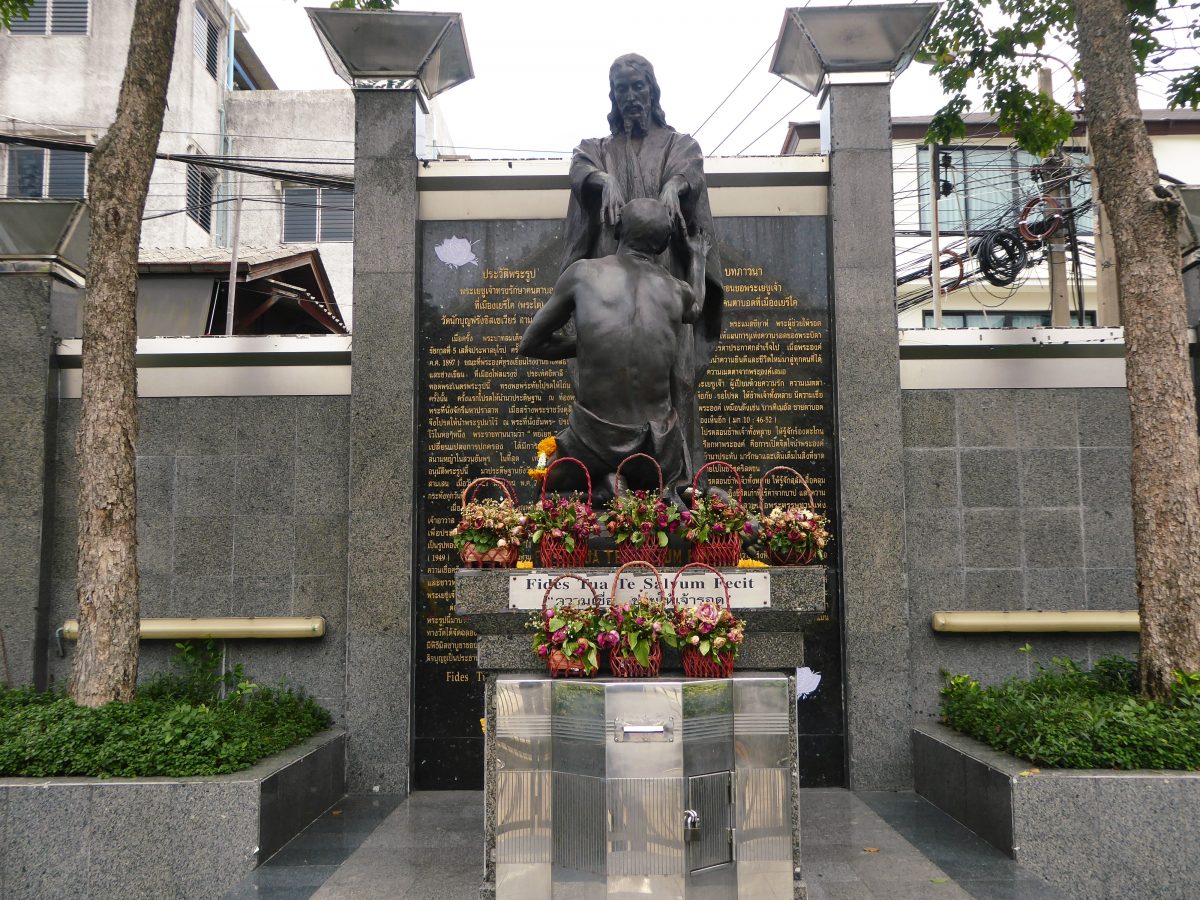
(663, 788)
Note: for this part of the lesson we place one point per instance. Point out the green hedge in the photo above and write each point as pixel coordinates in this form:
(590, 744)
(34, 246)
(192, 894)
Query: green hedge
(179, 725)
(1066, 717)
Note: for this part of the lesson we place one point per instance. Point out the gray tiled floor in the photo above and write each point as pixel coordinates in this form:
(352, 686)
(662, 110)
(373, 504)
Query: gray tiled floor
(856, 846)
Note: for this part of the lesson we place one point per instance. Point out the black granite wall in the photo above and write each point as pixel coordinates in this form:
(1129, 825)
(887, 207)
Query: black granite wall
(767, 400)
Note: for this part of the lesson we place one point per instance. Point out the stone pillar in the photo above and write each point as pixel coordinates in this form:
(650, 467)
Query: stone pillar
(27, 399)
(871, 463)
(382, 442)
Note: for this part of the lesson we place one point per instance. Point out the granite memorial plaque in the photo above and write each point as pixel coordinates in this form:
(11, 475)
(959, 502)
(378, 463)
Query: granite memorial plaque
(767, 400)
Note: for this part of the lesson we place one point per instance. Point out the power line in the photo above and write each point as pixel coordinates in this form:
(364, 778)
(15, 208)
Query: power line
(745, 117)
(735, 87)
(787, 114)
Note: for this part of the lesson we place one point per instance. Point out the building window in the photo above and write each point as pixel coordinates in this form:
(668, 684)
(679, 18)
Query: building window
(979, 319)
(991, 186)
(53, 17)
(206, 40)
(200, 196)
(35, 172)
(317, 214)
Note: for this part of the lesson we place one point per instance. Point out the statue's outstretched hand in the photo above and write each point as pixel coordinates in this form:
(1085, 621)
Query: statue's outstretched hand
(611, 201)
(669, 197)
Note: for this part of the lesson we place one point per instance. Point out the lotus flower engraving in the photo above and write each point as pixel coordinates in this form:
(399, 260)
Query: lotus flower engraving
(456, 252)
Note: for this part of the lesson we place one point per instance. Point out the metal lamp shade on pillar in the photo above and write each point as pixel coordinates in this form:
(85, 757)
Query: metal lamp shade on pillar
(817, 44)
(396, 50)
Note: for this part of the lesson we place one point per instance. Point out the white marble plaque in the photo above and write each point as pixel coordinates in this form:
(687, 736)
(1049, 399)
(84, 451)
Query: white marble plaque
(748, 588)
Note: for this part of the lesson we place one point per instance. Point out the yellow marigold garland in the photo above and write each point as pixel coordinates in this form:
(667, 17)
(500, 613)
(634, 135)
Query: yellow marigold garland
(546, 448)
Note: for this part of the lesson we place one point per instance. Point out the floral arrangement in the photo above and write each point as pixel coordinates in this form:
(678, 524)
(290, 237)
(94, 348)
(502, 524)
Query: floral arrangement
(546, 448)
(490, 523)
(709, 629)
(570, 519)
(744, 563)
(714, 519)
(632, 628)
(568, 630)
(640, 518)
(795, 532)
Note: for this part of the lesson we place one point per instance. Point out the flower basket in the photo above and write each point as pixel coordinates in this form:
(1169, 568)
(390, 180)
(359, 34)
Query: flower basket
(635, 510)
(644, 622)
(568, 549)
(489, 532)
(717, 549)
(493, 558)
(793, 535)
(574, 652)
(709, 635)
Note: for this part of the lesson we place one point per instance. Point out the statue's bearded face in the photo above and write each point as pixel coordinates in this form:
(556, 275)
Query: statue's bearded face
(631, 92)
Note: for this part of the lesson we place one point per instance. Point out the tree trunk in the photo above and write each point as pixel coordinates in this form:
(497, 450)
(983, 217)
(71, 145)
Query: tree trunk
(105, 663)
(1165, 468)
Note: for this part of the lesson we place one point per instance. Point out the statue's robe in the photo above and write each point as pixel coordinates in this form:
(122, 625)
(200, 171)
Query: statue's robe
(664, 153)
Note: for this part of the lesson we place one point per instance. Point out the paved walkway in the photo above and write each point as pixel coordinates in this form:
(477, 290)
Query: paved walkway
(856, 846)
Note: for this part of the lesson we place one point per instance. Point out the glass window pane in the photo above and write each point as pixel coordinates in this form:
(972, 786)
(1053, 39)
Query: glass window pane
(25, 169)
(988, 174)
(35, 24)
(66, 173)
(299, 215)
(950, 207)
(69, 17)
(337, 215)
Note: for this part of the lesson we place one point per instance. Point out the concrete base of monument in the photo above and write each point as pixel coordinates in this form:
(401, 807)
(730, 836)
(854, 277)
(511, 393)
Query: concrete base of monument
(162, 837)
(774, 641)
(1090, 832)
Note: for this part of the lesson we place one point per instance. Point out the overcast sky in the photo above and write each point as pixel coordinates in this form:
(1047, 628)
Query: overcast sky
(541, 69)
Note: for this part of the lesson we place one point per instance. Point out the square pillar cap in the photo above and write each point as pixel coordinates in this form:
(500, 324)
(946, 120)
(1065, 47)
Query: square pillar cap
(402, 49)
(818, 41)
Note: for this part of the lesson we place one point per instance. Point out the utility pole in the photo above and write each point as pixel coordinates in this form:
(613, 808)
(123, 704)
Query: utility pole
(231, 289)
(935, 237)
(1054, 171)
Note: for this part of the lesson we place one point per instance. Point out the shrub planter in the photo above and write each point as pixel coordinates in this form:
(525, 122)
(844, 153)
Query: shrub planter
(161, 837)
(1090, 832)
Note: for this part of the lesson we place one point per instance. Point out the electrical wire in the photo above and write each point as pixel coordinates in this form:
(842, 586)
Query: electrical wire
(749, 72)
(770, 91)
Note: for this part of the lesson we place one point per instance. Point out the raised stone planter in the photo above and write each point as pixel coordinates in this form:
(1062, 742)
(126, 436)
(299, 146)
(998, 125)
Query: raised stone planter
(1090, 832)
(161, 837)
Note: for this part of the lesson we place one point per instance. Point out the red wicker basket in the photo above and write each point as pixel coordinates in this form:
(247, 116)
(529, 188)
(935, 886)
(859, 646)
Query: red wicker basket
(553, 551)
(627, 552)
(696, 664)
(495, 557)
(793, 557)
(625, 665)
(723, 552)
(563, 665)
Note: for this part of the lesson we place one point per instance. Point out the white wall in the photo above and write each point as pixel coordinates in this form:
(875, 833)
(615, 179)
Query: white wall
(301, 125)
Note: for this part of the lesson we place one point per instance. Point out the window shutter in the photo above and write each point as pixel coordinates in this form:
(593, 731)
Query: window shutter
(200, 33)
(337, 215)
(35, 24)
(69, 17)
(26, 166)
(213, 50)
(299, 215)
(199, 196)
(67, 169)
